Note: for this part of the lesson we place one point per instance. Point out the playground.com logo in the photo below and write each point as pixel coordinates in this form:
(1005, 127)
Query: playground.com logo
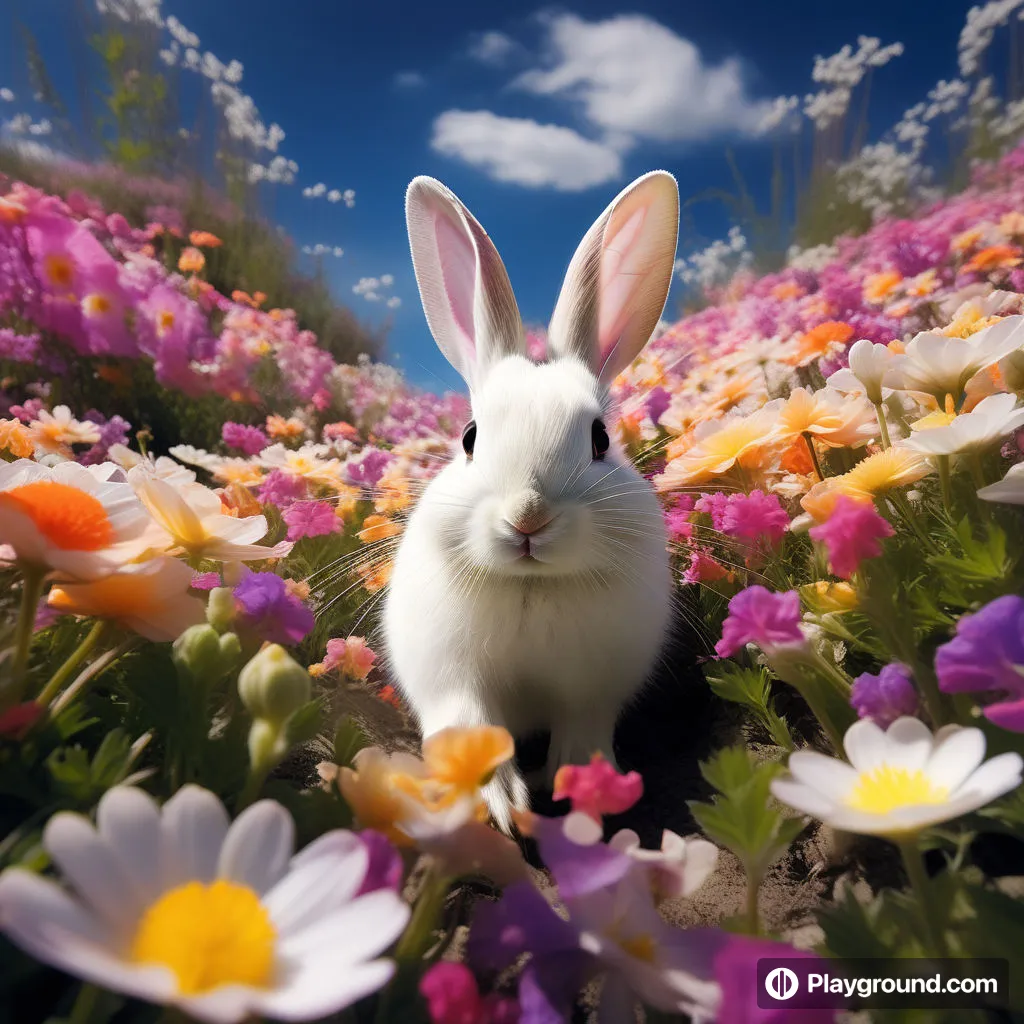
(815, 983)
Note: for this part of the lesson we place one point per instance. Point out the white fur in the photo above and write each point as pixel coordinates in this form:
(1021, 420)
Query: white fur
(475, 633)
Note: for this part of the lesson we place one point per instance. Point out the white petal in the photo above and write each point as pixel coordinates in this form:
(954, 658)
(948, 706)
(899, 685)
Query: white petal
(701, 859)
(909, 743)
(319, 881)
(129, 820)
(991, 780)
(356, 932)
(955, 757)
(258, 846)
(865, 745)
(319, 988)
(92, 867)
(826, 775)
(225, 1005)
(802, 798)
(625, 840)
(192, 831)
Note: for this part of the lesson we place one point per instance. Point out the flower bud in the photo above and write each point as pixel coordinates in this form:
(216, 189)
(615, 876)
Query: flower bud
(273, 686)
(220, 609)
(197, 653)
(267, 745)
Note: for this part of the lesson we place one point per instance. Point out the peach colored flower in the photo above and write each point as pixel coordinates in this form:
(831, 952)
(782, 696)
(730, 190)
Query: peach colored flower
(994, 257)
(285, 429)
(837, 421)
(819, 341)
(204, 239)
(376, 528)
(878, 287)
(16, 439)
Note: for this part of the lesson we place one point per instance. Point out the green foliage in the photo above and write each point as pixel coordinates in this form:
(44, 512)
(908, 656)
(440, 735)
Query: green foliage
(742, 815)
(751, 687)
(349, 739)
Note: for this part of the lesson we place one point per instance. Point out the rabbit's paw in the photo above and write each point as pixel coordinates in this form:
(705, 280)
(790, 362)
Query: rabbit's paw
(505, 793)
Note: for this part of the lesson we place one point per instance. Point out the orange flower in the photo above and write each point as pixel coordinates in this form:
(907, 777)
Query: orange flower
(819, 341)
(205, 239)
(393, 494)
(787, 290)
(389, 695)
(10, 211)
(797, 459)
(966, 239)
(1012, 224)
(239, 501)
(254, 301)
(375, 578)
(281, 428)
(191, 260)
(924, 284)
(376, 528)
(465, 759)
(15, 438)
(995, 257)
(877, 287)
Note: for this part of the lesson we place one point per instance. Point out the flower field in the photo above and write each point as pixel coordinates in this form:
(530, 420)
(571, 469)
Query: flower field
(212, 803)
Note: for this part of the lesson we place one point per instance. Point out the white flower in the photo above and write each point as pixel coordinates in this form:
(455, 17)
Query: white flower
(898, 781)
(679, 868)
(55, 432)
(80, 521)
(192, 517)
(868, 365)
(176, 906)
(1009, 490)
(307, 462)
(991, 419)
(941, 366)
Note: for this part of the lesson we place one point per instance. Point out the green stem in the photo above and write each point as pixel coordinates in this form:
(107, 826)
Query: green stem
(78, 655)
(883, 427)
(974, 467)
(88, 675)
(753, 917)
(253, 785)
(809, 441)
(914, 865)
(32, 581)
(419, 935)
(85, 1005)
(945, 484)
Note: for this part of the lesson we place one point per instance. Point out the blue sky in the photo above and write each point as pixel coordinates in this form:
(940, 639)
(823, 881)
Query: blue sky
(372, 94)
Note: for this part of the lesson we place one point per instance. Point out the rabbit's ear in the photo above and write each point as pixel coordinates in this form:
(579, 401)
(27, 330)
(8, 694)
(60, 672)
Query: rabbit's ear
(463, 284)
(617, 283)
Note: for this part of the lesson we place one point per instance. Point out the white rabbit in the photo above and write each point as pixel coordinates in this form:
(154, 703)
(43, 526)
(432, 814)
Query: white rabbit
(532, 586)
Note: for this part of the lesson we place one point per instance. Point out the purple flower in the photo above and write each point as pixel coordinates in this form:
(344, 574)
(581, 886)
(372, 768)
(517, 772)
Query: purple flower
(736, 973)
(657, 402)
(453, 997)
(310, 519)
(987, 653)
(385, 869)
(367, 468)
(884, 697)
(761, 616)
(281, 489)
(267, 607)
(248, 440)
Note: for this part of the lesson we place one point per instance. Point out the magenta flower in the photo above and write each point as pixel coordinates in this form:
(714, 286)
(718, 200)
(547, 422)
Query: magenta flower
(885, 697)
(310, 519)
(703, 568)
(267, 607)
(756, 517)
(453, 998)
(205, 580)
(851, 534)
(658, 400)
(248, 440)
(385, 869)
(281, 489)
(677, 519)
(760, 616)
(597, 788)
(987, 653)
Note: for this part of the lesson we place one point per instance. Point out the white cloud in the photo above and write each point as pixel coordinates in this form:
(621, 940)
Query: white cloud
(525, 152)
(492, 48)
(634, 78)
(409, 80)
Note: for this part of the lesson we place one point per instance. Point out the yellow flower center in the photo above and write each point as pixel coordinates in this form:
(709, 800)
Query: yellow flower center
(888, 789)
(208, 936)
(639, 946)
(164, 322)
(70, 519)
(59, 270)
(96, 304)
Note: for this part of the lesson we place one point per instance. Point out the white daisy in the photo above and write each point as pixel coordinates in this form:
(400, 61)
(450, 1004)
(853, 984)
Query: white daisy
(177, 906)
(991, 420)
(1009, 490)
(869, 363)
(82, 522)
(898, 781)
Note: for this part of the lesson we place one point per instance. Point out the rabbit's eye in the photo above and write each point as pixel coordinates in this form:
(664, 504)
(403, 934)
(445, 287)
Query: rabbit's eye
(599, 440)
(469, 438)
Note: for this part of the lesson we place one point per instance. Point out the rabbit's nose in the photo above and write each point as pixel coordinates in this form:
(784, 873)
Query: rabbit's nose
(528, 512)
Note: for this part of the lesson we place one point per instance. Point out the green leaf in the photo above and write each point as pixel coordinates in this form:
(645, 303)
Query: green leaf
(751, 687)
(305, 723)
(349, 739)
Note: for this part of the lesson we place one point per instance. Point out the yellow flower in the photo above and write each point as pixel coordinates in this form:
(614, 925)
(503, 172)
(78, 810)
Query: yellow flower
(884, 471)
(465, 759)
(835, 420)
(347, 501)
(16, 439)
(378, 528)
(878, 287)
(819, 341)
(824, 597)
(191, 260)
(281, 428)
(723, 444)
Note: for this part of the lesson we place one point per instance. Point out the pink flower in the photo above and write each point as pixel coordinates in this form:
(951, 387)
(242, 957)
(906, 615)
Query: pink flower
(453, 998)
(597, 788)
(350, 655)
(758, 615)
(754, 517)
(205, 580)
(703, 568)
(713, 505)
(677, 519)
(310, 519)
(852, 533)
(249, 440)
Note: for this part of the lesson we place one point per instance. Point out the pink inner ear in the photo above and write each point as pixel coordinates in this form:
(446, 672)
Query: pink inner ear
(622, 269)
(458, 272)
